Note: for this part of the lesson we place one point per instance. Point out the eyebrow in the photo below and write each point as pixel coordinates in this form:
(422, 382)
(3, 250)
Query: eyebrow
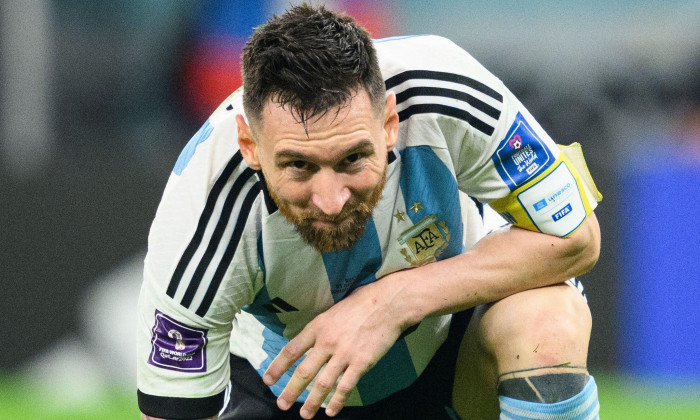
(364, 146)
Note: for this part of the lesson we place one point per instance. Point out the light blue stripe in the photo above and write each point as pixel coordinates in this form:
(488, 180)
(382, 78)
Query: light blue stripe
(426, 180)
(186, 155)
(350, 269)
(272, 345)
(583, 406)
(353, 268)
(273, 340)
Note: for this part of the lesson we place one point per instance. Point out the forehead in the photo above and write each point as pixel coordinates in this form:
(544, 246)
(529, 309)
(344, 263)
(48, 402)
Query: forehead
(354, 118)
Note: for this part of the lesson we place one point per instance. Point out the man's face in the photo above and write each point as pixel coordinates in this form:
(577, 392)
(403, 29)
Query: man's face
(326, 183)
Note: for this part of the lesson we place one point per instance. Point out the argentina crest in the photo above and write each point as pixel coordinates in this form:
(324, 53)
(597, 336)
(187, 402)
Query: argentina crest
(424, 242)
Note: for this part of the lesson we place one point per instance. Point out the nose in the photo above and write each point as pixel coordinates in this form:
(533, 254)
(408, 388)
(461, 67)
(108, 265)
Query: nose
(329, 193)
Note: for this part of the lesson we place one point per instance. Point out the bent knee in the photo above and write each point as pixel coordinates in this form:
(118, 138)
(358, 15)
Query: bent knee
(540, 327)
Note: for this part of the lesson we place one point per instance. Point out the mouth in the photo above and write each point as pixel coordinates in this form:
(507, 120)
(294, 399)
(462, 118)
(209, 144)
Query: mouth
(328, 223)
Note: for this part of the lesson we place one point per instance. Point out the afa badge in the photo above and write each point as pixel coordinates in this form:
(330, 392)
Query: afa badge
(425, 241)
(521, 155)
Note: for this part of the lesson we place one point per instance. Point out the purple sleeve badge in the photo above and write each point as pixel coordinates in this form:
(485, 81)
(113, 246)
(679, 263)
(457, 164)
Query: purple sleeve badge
(176, 346)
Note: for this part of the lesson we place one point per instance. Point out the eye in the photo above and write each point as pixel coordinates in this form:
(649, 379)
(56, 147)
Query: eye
(352, 158)
(298, 164)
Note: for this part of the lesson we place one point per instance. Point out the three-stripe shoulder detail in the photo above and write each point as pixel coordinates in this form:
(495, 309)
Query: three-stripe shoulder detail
(425, 91)
(219, 230)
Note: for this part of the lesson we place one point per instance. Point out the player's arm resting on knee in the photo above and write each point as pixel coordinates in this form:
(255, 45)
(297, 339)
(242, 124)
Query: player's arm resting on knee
(503, 263)
(554, 236)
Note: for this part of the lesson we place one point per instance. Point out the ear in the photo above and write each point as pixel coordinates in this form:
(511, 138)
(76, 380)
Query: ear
(249, 149)
(391, 121)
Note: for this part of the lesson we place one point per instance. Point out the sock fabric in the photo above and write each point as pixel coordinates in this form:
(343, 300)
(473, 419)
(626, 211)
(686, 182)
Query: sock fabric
(583, 406)
(547, 389)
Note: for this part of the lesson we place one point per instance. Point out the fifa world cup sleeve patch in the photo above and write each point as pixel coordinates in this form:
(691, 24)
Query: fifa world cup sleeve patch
(555, 202)
(176, 346)
(521, 155)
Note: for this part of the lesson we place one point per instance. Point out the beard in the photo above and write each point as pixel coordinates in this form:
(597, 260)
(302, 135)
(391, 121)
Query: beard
(339, 232)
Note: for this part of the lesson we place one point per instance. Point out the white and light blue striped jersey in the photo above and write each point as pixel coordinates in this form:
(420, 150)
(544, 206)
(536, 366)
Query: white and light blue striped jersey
(226, 272)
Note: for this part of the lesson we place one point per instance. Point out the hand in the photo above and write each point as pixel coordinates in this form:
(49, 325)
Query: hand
(349, 338)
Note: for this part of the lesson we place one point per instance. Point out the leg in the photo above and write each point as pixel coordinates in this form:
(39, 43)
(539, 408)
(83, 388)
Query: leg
(515, 342)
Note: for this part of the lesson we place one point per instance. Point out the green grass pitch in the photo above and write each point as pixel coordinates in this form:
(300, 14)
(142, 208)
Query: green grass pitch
(619, 400)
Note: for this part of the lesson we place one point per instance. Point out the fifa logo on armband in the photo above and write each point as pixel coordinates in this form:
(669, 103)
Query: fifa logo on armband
(562, 213)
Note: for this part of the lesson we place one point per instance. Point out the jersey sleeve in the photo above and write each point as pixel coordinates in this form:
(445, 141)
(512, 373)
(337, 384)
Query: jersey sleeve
(498, 152)
(200, 269)
(524, 175)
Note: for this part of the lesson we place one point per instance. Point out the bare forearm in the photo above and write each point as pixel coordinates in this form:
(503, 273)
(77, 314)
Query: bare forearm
(501, 264)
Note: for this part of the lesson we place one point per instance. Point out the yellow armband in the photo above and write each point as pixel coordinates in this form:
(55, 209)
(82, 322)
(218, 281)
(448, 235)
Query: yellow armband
(558, 200)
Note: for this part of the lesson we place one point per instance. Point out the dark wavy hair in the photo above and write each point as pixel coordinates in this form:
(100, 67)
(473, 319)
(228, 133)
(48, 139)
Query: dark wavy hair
(311, 60)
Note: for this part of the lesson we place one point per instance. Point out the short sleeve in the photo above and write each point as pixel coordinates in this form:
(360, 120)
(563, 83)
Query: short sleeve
(200, 270)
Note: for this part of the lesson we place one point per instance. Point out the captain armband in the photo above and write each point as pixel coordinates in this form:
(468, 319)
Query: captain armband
(557, 200)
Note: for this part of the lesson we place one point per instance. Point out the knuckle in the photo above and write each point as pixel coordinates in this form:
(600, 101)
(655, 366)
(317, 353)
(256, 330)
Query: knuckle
(290, 351)
(324, 385)
(314, 401)
(342, 391)
(303, 373)
(328, 341)
(365, 362)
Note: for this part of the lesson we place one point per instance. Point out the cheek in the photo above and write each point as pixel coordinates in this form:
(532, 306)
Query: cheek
(365, 189)
(286, 193)
(366, 182)
(292, 193)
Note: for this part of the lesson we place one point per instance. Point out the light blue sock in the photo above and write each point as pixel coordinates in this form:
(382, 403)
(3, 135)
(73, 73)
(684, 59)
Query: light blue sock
(583, 406)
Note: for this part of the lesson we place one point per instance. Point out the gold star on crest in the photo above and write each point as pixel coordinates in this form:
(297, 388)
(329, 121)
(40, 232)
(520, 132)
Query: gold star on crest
(400, 216)
(417, 206)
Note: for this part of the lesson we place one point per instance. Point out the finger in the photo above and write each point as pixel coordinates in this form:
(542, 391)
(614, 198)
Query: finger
(301, 378)
(289, 354)
(325, 382)
(342, 391)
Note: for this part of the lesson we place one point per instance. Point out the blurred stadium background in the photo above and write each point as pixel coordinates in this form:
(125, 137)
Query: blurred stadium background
(97, 99)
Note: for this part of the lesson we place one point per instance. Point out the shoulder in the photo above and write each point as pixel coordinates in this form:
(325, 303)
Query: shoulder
(430, 53)
(212, 159)
(442, 92)
(215, 143)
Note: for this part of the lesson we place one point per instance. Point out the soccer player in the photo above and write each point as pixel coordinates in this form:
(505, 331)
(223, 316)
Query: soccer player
(315, 251)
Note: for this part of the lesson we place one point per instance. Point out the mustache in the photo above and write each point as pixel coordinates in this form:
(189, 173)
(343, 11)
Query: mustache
(348, 211)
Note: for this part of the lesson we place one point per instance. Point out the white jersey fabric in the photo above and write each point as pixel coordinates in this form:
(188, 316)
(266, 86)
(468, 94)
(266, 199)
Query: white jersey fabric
(225, 271)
